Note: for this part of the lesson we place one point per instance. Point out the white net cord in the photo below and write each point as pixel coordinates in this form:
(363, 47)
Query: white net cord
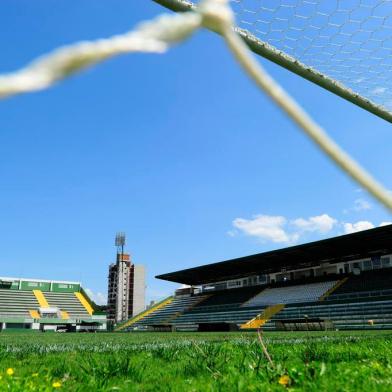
(154, 36)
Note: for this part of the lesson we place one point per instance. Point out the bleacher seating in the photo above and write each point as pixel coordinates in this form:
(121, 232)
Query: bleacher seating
(233, 306)
(47, 305)
(376, 280)
(220, 307)
(232, 296)
(168, 313)
(348, 315)
(237, 306)
(290, 294)
(67, 302)
(215, 314)
(16, 303)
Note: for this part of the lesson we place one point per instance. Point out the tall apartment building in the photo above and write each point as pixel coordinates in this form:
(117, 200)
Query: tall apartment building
(126, 286)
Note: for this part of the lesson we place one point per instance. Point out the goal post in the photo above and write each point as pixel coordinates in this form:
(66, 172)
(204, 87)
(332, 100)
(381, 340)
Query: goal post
(339, 38)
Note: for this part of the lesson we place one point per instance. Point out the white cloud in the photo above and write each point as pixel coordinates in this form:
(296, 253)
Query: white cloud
(98, 298)
(278, 229)
(361, 225)
(265, 227)
(361, 205)
(232, 233)
(358, 80)
(357, 226)
(321, 223)
(378, 90)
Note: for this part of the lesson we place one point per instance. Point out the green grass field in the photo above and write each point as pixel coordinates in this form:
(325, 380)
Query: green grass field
(322, 361)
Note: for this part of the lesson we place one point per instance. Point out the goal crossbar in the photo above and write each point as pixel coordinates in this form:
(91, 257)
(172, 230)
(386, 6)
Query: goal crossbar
(281, 58)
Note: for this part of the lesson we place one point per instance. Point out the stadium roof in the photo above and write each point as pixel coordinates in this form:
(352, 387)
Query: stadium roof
(347, 247)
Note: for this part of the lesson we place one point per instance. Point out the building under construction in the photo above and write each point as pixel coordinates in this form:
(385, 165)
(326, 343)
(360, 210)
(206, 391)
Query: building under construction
(126, 286)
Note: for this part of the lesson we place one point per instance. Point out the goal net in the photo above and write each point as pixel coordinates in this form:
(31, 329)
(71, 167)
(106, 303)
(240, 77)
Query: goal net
(344, 46)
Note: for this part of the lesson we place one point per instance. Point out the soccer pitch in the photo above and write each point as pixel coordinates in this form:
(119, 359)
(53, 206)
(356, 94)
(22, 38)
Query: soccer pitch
(314, 361)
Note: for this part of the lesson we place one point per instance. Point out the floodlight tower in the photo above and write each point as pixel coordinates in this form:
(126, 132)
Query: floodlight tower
(120, 243)
(126, 285)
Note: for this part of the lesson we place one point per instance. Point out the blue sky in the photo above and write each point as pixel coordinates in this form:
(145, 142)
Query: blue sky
(178, 150)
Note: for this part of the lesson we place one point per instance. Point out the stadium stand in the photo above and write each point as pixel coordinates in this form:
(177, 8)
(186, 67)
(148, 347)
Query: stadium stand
(130, 324)
(238, 309)
(46, 305)
(68, 302)
(233, 296)
(285, 295)
(338, 283)
(165, 316)
(17, 304)
(345, 315)
(362, 301)
(261, 319)
(367, 281)
(205, 318)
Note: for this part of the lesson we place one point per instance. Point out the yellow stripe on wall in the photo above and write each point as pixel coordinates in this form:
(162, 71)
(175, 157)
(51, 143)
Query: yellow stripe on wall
(145, 313)
(34, 314)
(43, 303)
(263, 317)
(64, 315)
(84, 302)
(332, 289)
